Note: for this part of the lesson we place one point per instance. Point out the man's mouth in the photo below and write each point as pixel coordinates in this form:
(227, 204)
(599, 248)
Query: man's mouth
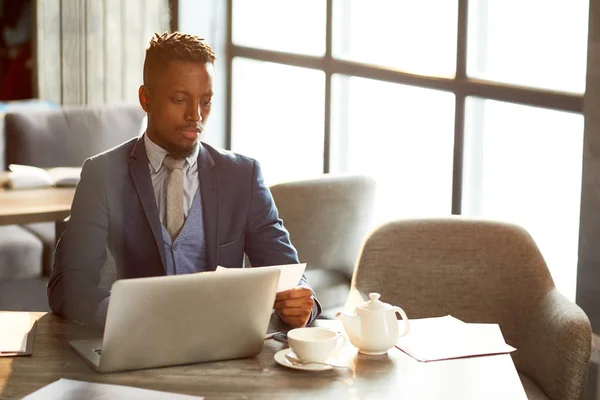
(191, 132)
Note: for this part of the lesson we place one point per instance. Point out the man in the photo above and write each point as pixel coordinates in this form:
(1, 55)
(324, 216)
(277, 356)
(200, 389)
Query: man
(166, 203)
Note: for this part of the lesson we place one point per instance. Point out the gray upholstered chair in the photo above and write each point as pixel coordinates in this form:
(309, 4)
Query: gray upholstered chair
(20, 250)
(20, 254)
(66, 136)
(328, 219)
(483, 271)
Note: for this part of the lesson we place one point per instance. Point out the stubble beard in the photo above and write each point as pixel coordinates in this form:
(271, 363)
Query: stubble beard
(179, 152)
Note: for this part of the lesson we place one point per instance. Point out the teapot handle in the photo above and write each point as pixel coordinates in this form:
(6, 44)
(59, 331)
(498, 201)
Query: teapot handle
(404, 318)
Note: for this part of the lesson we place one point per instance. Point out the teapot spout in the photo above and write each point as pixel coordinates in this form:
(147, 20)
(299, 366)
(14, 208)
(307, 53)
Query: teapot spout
(351, 324)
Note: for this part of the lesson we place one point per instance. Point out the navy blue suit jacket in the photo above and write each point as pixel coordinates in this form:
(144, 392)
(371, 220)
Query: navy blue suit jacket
(114, 205)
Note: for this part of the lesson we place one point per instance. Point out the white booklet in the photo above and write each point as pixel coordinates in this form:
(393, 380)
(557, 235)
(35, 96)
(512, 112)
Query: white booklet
(288, 279)
(27, 176)
(67, 389)
(443, 338)
(15, 330)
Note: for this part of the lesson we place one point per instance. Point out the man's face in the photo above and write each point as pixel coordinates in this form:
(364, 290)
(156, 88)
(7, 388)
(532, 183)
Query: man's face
(178, 104)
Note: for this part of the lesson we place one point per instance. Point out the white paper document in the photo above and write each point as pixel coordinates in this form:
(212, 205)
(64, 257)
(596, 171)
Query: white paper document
(447, 337)
(289, 277)
(14, 327)
(67, 389)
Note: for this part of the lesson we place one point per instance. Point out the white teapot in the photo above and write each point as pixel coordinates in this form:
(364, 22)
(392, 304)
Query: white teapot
(374, 327)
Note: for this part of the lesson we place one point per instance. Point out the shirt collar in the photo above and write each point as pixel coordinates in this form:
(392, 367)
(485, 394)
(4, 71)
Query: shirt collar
(157, 154)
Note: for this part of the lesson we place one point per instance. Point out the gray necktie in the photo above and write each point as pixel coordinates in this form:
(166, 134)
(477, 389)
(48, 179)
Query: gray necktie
(174, 195)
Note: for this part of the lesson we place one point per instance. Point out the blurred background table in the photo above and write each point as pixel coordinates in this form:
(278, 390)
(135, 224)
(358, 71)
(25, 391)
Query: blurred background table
(35, 205)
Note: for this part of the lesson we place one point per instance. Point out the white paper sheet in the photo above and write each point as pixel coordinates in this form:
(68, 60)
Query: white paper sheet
(14, 327)
(289, 277)
(447, 337)
(67, 389)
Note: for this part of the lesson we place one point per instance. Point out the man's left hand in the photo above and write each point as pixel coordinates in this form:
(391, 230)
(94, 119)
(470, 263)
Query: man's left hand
(294, 306)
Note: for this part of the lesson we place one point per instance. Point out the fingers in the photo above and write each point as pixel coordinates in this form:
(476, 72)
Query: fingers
(304, 308)
(293, 321)
(304, 302)
(295, 293)
(294, 306)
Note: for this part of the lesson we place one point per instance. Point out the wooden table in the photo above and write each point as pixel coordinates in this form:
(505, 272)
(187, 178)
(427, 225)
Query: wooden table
(35, 205)
(392, 376)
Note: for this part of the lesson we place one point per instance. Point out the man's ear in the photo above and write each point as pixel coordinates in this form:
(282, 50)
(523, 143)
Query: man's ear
(144, 98)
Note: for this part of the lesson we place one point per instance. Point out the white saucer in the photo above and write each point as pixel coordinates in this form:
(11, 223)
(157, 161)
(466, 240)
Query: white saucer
(281, 360)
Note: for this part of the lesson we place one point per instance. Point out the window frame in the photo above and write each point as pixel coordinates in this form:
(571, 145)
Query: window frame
(461, 86)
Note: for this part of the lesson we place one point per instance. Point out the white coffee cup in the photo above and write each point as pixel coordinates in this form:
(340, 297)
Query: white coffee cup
(314, 344)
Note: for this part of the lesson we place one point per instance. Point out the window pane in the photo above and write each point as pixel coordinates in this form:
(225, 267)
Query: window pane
(537, 43)
(277, 118)
(523, 164)
(415, 36)
(294, 26)
(401, 135)
(206, 19)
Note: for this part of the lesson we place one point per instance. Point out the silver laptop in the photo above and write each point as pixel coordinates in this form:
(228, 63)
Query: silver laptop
(184, 319)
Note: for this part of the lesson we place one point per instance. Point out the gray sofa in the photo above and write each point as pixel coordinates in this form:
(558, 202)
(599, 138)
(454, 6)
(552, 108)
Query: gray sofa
(20, 250)
(20, 253)
(64, 136)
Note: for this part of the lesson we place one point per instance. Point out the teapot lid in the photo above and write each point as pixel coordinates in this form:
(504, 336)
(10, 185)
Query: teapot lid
(374, 304)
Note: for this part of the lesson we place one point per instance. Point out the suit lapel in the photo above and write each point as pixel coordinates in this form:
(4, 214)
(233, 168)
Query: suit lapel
(209, 192)
(140, 175)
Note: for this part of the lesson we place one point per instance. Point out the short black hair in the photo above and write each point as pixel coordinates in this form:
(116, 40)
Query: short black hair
(174, 46)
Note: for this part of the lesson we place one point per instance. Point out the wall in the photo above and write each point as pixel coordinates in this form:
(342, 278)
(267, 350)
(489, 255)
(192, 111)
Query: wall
(588, 273)
(92, 51)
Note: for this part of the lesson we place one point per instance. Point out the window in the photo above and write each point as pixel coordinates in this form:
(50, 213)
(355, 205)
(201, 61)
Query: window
(456, 106)
(523, 164)
(533, 43)
(279, 123)
(384, 130)
(296, 26)
(405, 35)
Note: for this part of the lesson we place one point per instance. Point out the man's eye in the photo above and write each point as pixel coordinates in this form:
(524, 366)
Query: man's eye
(207, 103)
(178, 101)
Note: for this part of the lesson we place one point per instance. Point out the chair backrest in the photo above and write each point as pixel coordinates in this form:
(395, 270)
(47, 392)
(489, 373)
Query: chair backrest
(427, 265)
(327, 218)
(68, 135)
(478, 271)
(23, 106)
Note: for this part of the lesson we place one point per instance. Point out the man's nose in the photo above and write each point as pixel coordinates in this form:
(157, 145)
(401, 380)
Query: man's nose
(194, 113)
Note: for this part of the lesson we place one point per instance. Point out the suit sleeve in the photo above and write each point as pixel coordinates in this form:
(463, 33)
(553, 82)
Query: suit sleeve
(267, 241)
(81, 252)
